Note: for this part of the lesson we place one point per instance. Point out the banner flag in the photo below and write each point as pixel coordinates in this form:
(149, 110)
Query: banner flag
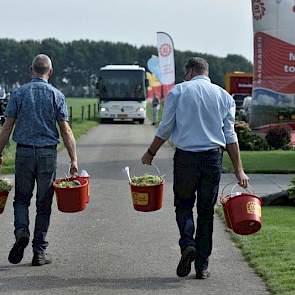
(154, 66)
(274, 62)
(166, 60)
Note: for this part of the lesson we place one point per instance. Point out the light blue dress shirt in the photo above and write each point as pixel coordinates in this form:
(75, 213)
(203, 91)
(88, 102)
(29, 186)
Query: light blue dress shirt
(199, 116)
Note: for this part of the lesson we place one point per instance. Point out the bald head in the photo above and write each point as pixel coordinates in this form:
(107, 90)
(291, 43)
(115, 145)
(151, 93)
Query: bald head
(42, 65)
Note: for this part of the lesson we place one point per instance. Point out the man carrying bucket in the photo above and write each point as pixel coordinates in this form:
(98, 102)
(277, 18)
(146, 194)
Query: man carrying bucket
(199, 116)
(34, 109)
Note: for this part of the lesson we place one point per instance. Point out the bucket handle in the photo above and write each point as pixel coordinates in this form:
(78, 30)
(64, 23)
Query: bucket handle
(249, 189)
(158, 170)
(68, 173)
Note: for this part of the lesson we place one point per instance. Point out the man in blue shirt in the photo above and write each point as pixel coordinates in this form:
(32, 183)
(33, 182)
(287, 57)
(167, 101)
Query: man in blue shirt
(35, 108)
(199, 116)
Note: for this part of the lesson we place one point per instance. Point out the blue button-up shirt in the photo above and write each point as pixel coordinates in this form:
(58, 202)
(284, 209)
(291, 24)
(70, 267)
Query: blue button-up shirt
(198, 115)
(37, 106)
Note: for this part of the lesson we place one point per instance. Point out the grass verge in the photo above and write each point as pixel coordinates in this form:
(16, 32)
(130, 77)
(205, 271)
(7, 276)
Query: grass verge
(271, 251)
(278, 161)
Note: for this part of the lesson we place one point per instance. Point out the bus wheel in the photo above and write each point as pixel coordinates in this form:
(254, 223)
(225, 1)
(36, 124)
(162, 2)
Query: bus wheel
(141, 121)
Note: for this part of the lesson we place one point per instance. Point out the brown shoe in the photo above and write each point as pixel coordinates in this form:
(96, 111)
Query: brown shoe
(187, 257)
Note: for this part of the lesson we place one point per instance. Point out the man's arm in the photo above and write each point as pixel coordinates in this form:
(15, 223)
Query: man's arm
(70, 144)
(232, 145)
(233, 151)
(5, 134)
(148, 156)
(165, 128)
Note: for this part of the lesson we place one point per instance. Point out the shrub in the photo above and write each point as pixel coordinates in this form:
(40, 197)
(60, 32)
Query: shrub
(243, 132)
(247, 140)
(278, 137)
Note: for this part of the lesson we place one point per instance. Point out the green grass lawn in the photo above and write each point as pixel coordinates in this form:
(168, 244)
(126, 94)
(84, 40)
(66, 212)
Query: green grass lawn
(79, 127)
(278, 161)
(271, 251)
(77, 103)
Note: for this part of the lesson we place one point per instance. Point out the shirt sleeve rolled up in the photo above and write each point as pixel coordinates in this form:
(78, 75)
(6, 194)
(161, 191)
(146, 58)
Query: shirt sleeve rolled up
(168, 118)
(228, 127)
(62, 109)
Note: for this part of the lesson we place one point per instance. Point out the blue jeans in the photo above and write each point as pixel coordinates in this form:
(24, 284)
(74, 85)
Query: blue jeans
(196, 172)
(34, 165)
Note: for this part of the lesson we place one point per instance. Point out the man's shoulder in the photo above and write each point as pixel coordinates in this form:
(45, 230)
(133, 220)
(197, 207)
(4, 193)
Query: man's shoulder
(57, 91)
(221, 89)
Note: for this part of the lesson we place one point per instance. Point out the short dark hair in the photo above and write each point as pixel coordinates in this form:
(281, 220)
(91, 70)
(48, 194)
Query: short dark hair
(198, 64)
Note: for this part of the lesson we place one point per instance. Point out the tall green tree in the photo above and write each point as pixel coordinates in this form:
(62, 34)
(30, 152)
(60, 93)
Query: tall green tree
(77, 63)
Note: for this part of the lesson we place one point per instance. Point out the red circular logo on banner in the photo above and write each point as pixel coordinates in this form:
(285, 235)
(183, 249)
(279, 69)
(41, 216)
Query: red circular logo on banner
(258, 9)
(165, 49)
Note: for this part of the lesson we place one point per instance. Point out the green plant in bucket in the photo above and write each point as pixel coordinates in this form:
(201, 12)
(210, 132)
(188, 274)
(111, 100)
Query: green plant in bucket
(5, 185)
(146, 180)
(69, 183)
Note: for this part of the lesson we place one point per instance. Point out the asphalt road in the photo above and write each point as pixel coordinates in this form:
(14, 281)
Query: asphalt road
(110, 248)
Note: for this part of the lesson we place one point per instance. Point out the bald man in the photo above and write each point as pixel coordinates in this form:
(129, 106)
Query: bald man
(34, 109)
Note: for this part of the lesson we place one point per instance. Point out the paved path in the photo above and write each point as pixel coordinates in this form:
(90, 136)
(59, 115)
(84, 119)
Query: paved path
(112, 249)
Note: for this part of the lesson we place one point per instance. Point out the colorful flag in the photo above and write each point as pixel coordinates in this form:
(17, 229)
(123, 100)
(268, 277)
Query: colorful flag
(166, 61)
(154, 66)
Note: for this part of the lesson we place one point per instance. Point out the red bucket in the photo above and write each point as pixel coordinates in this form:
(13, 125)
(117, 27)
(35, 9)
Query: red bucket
(71, 199)
(223, 200)
(88, 186)
(242, 212)
(3, 199)
(147, 198)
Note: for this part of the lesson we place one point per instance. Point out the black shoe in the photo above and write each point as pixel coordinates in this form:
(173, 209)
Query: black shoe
(202, 274)
(40, 259)
(16, 254)
(187, 257)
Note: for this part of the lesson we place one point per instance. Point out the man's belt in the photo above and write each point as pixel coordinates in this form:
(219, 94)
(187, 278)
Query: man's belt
(36, 146)
(216, 150)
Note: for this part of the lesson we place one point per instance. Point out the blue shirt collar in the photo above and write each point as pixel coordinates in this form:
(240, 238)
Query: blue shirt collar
(201, 77)
(38, 79)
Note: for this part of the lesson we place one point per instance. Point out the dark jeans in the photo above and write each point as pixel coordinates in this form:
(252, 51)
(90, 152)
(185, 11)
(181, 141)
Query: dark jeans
(34, 165)
(196, 172)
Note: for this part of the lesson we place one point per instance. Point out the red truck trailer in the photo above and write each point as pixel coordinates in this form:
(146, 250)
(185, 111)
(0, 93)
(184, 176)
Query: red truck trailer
(239, 85)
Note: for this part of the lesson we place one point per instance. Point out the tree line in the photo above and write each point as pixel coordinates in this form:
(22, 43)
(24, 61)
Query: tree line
(77, 63)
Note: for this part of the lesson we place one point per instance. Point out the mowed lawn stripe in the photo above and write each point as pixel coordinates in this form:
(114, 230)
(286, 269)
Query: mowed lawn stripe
(271, 251)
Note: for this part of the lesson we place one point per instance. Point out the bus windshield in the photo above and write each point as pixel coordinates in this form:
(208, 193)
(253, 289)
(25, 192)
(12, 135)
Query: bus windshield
(122, 85)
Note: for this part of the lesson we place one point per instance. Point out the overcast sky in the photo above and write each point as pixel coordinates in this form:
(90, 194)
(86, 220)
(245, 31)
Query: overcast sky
(218, 27)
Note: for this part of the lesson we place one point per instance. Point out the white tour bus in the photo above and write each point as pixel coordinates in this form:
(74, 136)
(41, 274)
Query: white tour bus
(122, 93)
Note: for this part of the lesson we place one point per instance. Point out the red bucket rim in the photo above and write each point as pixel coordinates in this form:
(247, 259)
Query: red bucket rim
(67, 179)
(147, 185)
(231, 197)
